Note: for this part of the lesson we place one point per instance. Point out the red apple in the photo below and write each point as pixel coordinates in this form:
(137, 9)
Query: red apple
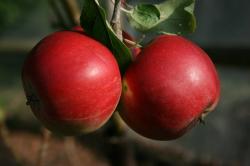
(169, 87)
(72, 82)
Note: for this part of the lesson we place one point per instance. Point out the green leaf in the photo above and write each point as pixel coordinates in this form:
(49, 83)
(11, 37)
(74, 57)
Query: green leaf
(172, 16)
(94, 22)
(147, 14)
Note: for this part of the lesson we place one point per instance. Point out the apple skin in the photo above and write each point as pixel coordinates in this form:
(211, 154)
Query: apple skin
(72, 83)
(171, 85)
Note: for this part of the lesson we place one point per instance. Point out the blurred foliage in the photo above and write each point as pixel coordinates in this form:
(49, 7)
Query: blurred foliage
(2, 116)
(13, 11)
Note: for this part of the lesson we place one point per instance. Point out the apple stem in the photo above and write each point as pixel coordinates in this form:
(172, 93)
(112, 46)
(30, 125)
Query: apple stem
(134, 44)
(60, 20)
(202, 121)
(116, 19)
(123, 9)
(73, 12)
(44, 147)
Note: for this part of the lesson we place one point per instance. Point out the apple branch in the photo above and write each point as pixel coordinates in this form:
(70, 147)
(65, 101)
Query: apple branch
(73, 12)
(116, 25)
(123, 9)
(55, 8)
(44, 147)
(70, 148)
(116, 19)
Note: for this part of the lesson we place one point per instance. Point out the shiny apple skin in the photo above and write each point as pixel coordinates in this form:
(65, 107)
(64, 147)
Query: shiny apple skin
(169, 87)
(72, 83)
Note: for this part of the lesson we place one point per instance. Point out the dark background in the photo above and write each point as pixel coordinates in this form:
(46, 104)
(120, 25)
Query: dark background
(222, 30)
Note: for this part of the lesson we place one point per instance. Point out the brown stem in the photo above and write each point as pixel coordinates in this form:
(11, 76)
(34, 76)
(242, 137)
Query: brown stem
(44, 148)
(116, 25)
(132, 43)
(118, 126)
(70, 148)
(73, 12)
(61, 21)
(116, 19)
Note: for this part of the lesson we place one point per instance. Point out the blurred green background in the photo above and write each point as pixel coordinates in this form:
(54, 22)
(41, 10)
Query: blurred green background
(223, 31)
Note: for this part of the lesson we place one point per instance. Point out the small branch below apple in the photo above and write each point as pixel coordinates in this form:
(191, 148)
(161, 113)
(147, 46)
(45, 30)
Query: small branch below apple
(46, 135)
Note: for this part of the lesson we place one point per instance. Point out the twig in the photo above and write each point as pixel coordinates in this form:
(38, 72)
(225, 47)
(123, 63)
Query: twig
(44, 148)
(56, 10)
(70, 150)
(73, 12)
(116, 19)
(116, 25)
(134, 44)
(122, 8)
(121, 152)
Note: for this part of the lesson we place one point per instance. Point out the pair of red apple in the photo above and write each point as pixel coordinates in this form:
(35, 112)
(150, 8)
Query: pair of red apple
(73, 85)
